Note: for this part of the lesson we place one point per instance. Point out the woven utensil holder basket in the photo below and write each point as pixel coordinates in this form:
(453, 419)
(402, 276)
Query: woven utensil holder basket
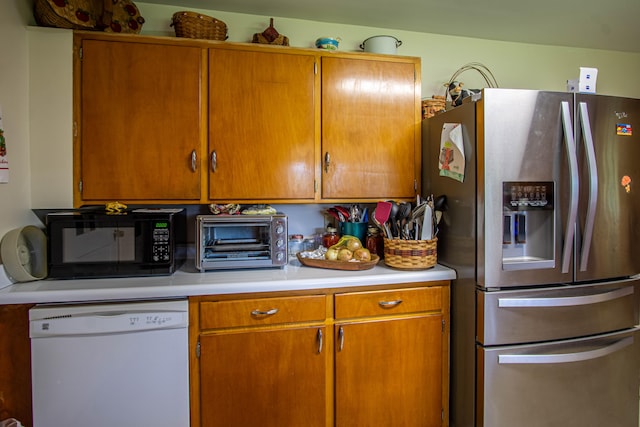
(410, 254)
(198, 26)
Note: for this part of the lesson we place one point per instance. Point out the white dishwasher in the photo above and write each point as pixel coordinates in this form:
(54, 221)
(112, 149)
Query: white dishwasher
(110, 364)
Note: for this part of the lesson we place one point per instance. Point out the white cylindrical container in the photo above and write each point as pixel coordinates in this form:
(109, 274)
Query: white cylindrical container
(381, 44)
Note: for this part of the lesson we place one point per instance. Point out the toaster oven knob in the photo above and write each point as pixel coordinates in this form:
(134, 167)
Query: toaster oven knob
(279, 229)
(280, 256)
(280, 243)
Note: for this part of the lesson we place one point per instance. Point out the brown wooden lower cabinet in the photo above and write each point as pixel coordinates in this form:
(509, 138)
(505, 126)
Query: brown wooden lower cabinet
(15, 363)
(269, 378)
(341, 358)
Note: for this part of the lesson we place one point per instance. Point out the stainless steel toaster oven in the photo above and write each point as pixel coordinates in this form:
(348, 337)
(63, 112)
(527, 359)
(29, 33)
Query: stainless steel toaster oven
(241, 241)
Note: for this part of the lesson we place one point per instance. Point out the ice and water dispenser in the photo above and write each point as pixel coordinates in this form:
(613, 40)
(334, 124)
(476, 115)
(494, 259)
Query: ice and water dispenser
(528, 234)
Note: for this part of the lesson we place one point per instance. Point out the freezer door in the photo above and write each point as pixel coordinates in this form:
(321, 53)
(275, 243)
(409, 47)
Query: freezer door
(608, 145)
(575, 383)
(547, 314)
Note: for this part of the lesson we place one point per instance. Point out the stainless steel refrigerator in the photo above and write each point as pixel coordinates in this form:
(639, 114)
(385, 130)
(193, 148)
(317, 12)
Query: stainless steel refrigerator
(542, 226)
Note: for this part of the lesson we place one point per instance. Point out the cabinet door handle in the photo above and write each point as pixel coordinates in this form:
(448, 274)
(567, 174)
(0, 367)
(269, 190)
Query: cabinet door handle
(214, 161)
(340, 338)
(264, 313)
(389, 304)
(194, 161)
(320, 341)
(327, 161)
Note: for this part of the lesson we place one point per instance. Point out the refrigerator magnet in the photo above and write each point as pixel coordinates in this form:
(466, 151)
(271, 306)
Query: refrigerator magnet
(624, 129)
(626, 183)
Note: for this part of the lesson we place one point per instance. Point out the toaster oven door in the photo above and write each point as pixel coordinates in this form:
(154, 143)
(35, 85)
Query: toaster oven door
(225, 243)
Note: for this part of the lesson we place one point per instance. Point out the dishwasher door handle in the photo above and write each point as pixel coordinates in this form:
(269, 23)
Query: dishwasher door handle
(100, 323)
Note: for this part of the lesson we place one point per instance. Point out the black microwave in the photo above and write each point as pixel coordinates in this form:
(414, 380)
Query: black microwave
(94, 243)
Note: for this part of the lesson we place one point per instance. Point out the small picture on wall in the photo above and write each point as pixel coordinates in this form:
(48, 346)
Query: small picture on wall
(4, 162)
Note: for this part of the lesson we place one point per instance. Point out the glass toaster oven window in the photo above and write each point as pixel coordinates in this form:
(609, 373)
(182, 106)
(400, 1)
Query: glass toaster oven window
(237, 241)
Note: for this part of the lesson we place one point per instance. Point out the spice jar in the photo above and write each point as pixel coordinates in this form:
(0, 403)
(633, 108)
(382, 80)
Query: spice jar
(375, 242)
(330, 237)
(295, 245)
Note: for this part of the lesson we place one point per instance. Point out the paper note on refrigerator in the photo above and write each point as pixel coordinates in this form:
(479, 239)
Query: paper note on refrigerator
(451, 161)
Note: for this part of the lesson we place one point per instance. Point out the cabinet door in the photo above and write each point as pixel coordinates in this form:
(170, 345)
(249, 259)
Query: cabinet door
(389, 373)
(15, 363)
(370, 129)
(261, 125)
(270, 378)
(140, 121)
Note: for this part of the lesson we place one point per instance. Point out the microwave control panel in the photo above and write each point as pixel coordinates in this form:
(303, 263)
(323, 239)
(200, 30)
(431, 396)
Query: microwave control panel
(161, 248)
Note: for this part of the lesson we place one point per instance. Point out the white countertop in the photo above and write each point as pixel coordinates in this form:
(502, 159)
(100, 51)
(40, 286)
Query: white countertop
(189, 282)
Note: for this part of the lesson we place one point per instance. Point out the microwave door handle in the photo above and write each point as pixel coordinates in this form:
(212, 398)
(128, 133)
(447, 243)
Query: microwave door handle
(522, 359)
(565, 301)
(592, 168)
(570, 146)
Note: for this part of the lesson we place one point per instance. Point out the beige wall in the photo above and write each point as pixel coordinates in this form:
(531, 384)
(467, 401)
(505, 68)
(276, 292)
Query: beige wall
(15, 196)
(35, 85)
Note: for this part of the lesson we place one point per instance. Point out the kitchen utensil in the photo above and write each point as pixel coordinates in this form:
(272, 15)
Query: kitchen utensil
(393, 216)
(381, 44)
(334, 213)
(440, 203)
(355, 213)
(405, 212)
(427, 223)
(343, 212)
(328, 43)
(382, 226)
(365, 215)
(339, 265)
(357, 229)
(382, 212)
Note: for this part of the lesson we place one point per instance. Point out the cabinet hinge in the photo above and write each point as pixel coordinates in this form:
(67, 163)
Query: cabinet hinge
(80, 186)
(80, 53)
(315, 68)
(443, 323)
(415, 185)
(315, 186)
(442, 414)
(198, 349)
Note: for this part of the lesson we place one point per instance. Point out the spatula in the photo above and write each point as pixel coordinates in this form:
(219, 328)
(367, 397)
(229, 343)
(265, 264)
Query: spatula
(382, 212)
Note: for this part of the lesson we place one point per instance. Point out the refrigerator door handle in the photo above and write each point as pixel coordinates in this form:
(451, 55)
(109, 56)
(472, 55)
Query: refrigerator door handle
(570, 145)
(592, 168)
(504, 359)
(566, 301)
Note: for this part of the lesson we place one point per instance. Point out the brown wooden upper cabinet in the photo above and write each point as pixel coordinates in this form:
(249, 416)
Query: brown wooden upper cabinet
(370, 141)
(261, 125)
(171, 120)
(140, 122)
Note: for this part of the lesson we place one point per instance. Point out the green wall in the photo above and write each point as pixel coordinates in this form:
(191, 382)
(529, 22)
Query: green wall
(515, 65)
